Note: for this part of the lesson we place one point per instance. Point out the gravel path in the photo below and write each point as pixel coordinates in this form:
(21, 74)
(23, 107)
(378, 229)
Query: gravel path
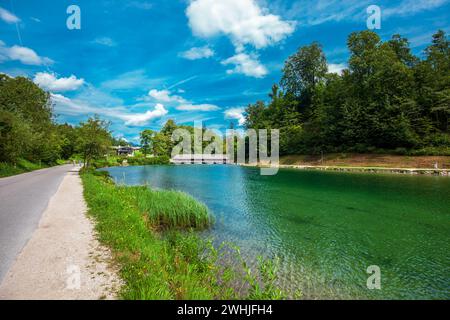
(63, 259)
(23, 200)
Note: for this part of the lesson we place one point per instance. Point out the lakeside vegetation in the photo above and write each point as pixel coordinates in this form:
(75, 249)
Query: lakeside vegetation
(137, 160)
(153, 240)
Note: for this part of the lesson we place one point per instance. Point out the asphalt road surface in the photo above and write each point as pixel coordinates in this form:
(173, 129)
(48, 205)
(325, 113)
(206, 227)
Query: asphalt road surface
(23, 199)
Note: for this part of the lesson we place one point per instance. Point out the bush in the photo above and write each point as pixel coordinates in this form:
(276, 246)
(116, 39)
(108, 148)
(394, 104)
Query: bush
(431, 151)
(22, 166)
(401, 151)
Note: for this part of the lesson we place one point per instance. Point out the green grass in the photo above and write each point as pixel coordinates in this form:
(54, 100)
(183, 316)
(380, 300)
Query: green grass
(22, 166)
(151, 234)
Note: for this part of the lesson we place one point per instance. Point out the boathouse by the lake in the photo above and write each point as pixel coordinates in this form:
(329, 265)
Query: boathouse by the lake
(199, 159)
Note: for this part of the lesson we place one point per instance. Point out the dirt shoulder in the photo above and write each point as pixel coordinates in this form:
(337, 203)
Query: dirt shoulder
(63, 259)
(368, 160)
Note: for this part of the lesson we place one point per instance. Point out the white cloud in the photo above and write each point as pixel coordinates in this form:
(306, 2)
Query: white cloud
(336, 67)
(142, 119)
(105, 41)
(198, 107)
(7, 16)
(49, 81)
(237, 114)
(67, 106)
(165, 96)
(23, 54)
(246, 64)
(197, 53)
(241, 20)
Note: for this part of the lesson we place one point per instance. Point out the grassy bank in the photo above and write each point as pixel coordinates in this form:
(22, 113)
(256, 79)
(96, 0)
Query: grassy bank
(153, 240)
(22, 166)
(112, 161)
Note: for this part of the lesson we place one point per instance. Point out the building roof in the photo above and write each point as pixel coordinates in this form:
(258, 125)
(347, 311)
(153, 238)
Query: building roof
(200, 157)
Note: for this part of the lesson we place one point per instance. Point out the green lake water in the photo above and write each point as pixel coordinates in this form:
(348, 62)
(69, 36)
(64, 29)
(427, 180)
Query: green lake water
(326, 227)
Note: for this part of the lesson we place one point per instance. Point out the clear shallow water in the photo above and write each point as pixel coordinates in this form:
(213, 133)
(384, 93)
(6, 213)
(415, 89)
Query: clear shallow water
(326, 227)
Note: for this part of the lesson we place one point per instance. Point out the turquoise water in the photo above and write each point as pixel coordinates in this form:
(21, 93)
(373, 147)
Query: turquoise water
(326, 227)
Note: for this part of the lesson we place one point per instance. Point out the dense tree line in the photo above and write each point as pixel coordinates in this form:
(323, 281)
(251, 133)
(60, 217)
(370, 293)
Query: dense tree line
(161, 143)
(28, 129)
(387, 100)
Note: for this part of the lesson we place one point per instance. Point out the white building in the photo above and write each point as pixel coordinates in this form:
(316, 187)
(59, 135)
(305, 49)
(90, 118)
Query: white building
(200, 159)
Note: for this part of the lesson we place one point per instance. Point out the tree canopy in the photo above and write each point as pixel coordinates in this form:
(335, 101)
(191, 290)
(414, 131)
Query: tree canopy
(28, 129)
(387, 100)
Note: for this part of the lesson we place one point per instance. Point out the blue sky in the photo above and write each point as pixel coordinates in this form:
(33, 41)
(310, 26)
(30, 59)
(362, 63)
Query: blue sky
(139, 63)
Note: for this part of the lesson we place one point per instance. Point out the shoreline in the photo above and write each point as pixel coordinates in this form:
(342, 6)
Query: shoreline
(410, 171)
(345, 169)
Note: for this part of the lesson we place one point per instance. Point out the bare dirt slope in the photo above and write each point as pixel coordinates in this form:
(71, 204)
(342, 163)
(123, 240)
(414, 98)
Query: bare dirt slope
(63, 259)
(368, 160)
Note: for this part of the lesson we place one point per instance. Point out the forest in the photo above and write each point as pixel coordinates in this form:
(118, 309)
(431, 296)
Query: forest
(30, 134)
(387, 100)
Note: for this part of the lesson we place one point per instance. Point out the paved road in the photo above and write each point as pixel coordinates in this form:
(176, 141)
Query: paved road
(23, 199)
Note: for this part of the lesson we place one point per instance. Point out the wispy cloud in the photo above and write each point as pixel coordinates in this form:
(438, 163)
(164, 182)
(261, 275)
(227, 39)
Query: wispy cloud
(197, 107)
(67, 106)
(7, 16)
(98, 97)
(411, 7)
(182, 82)
(309, 13)
(144, 5)
(129, 80)
(105, 41)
